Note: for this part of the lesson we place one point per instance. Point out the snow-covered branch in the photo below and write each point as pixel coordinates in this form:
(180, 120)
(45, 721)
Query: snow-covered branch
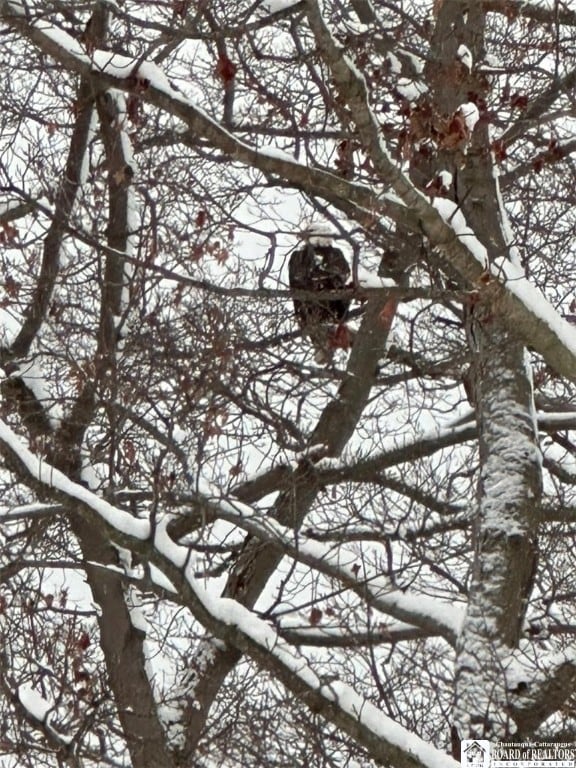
(426, 613)
(544, 12)
(520, 305)
(15, 210)
(536, 693)
(338, 637)
(226, 619)
(404, 450)
(40, 712)
(47, 478)
(151, 85)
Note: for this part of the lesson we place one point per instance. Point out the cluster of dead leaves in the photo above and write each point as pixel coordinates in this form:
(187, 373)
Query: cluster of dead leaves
(226, 69)
(134, 105)
(8, 233)
(11, 288)
(340, 337)
(214, 249)
(344, 162)
(180, 8)
(78, 644)
(449, 132)
(552, 154)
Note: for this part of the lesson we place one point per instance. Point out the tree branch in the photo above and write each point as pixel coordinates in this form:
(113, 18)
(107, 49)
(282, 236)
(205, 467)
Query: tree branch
(386, 741)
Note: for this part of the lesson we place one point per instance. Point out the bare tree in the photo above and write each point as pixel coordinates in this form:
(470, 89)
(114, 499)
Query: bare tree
(216, 551)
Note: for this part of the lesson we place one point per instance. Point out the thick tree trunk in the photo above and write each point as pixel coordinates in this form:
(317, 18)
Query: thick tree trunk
(509, 487)
(505, 533)
(124, 652)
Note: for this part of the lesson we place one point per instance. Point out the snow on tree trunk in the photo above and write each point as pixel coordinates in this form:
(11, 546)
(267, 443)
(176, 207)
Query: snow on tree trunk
(509, 487)
(504, 532)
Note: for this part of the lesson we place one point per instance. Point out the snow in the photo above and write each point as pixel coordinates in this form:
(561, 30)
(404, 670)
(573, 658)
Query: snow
(471, 114)
(386, 728)
(177, 555)
(411, 89)
(154, 78)
(275, 154)
(93, 131)
(420, 610)
(513, 252)
(9, 327)
(33, 702)
(230, 612)
(132, 213)
(89, 473)
(274, 6)
(533, 412)
(510, 274)
(40, 709)
(113, 568)
(114, 64)
(31, 374)
(135, 604)
(356, 26)
(560, 420)
(446, 178)
(53, 478)
(395, 65)
(453, 216)
(151, 77)
(160, 579)
(516, 282)
(492, 63)
(318, 233)
(465, 56)
(29, 510)
(367, 279)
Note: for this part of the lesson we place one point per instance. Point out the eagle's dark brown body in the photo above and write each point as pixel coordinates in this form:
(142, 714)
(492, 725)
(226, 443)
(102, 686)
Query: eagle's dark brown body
(321, 269)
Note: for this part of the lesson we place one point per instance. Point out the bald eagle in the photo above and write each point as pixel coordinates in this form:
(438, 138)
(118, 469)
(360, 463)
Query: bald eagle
(320, 267)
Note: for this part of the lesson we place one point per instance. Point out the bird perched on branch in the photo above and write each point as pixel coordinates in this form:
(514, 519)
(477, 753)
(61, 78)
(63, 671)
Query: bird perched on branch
(319, 267)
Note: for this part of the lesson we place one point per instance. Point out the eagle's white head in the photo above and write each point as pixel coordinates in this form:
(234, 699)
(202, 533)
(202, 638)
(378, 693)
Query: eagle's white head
(317, 233)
